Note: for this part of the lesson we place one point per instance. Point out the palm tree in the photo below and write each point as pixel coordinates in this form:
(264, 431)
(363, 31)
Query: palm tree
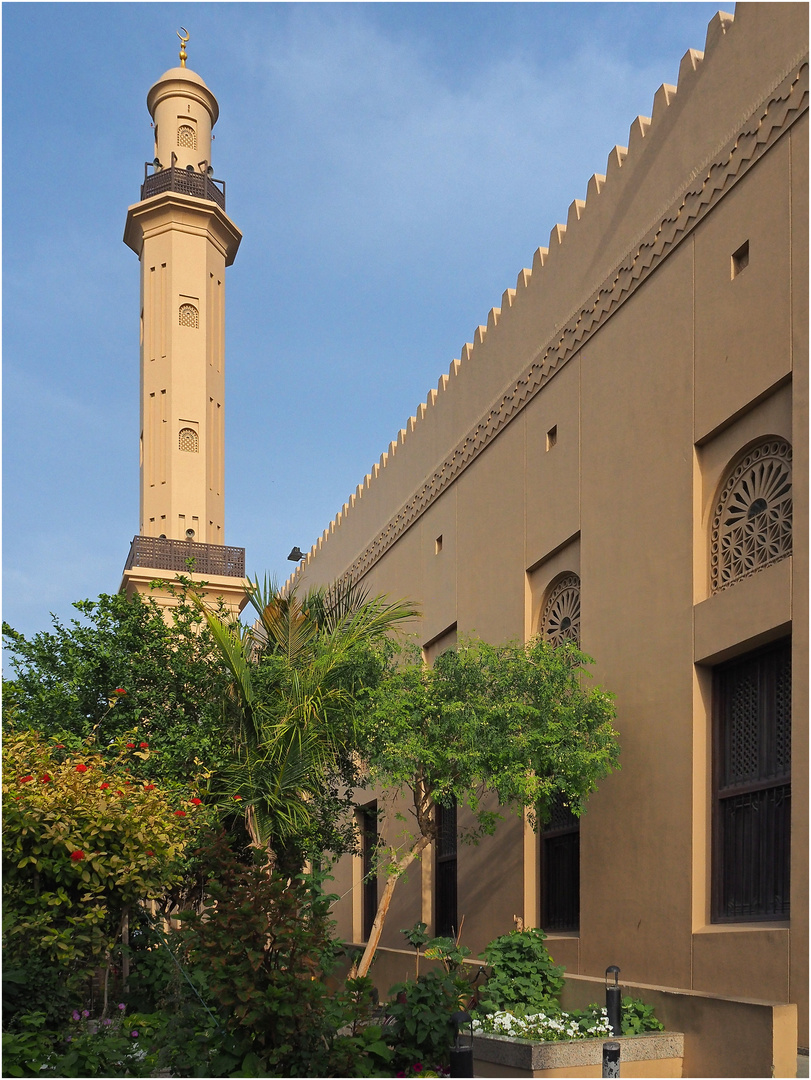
(295, 678)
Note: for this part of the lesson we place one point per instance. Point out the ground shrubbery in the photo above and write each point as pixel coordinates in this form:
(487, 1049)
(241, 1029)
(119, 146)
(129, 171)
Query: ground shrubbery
(167, 782)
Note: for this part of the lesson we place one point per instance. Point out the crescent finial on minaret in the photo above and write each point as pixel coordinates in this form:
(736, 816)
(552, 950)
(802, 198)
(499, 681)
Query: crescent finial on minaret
(184, 37)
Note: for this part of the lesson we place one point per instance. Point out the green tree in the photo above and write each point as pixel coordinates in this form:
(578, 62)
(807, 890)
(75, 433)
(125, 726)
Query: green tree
(63, 680)
(516, 722)
(295, 679)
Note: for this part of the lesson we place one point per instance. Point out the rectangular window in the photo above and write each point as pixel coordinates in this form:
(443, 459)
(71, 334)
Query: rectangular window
(446, 901)
(560, 870)
(368, 823)
(752, 786)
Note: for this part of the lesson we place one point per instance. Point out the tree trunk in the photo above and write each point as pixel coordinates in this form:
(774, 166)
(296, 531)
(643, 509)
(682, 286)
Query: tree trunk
(383, 906)
(125, 955)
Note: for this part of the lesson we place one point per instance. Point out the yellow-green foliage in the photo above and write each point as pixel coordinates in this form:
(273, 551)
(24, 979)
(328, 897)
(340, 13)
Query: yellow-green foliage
(84, 839)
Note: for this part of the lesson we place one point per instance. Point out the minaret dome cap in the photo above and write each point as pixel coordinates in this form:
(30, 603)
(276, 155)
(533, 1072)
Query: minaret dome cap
(182, 82)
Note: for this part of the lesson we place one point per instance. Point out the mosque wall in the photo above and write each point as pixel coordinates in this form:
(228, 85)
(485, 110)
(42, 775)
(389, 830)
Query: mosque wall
(652, 359)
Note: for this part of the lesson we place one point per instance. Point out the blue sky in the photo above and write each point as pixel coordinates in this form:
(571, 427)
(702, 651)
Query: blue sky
(392, 168)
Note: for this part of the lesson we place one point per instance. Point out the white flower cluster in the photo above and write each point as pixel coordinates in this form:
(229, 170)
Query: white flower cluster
(541, 1027)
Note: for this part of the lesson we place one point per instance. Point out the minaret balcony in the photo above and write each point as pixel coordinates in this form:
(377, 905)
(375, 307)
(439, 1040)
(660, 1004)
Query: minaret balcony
(186, 557)
(184, 181)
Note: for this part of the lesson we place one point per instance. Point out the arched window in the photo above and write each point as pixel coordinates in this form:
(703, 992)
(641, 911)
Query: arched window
(187, 137)
(751, 527)
(560, 618)
(189, 316)
(188, 440)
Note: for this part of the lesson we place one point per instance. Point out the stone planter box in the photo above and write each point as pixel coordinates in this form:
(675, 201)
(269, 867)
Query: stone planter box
(658, 1053)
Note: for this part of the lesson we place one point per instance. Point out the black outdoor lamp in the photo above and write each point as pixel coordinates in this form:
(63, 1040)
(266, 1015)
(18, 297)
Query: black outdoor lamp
(613, 999)
(462, 1049)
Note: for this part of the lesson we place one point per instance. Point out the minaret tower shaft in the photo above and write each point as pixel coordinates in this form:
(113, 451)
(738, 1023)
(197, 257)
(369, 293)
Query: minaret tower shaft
(184, 240)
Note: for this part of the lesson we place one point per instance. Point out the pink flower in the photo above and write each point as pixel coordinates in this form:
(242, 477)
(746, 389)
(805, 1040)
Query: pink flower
(81, 767)
(77, 856)
(134, 1034)
(122, 1006)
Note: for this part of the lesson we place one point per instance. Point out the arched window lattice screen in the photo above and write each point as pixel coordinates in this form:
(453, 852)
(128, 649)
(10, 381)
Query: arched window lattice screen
(751, 527)
(189, 316)
(560, 618)
(187, 137)
(188, 440)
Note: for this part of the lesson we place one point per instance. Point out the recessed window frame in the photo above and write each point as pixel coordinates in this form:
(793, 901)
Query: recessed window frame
(743, 889)
(446, 882)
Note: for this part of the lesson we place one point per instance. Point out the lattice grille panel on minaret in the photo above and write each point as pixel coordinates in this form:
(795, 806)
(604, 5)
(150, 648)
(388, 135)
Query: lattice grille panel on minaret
(187, 137)
(188, 440)
(189, 316)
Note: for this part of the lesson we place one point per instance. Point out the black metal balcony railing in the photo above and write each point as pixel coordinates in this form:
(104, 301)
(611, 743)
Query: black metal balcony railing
(184, 181)
(158, 553)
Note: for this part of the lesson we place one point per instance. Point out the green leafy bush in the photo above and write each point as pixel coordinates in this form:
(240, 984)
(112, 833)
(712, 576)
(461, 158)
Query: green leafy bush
(638, 1017)
(113, 1046)
(523, 978)
(261, 946)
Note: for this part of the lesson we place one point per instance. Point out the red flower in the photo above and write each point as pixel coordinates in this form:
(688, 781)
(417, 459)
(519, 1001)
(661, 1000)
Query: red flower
(119, 792)
(144, 745)
(104, 785)
(127, 782)
(77, 856)
(130, 745)
(237, 797)
(180, 813)
(59, 746)
(25, 779)
(120, 691)
(46, 779)
(150, 853)
(149, 787)
(196, 802)
(81, 767)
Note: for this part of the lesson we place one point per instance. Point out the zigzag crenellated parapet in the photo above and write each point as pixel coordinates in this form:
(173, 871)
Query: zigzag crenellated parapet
(676, 163)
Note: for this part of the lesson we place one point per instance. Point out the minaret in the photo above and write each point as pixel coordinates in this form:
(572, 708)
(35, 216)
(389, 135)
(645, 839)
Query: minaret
(184, 239)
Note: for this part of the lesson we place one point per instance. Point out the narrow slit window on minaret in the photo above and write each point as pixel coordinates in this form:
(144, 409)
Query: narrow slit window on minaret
(189, 316)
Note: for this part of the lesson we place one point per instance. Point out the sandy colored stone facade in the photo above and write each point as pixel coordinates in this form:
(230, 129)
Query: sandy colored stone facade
(624, 446)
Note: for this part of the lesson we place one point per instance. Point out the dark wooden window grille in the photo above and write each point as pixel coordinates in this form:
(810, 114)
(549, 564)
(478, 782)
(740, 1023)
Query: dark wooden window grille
(368, 846)
(560, 870)
(752, 787)
(446, 896)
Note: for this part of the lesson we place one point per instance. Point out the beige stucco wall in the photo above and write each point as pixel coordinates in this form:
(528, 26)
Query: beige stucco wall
(655, 366)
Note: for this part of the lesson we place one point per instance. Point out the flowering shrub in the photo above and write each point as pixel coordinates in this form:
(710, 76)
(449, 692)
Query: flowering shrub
(542, 1027)
(83, 1046)
(75, 860)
